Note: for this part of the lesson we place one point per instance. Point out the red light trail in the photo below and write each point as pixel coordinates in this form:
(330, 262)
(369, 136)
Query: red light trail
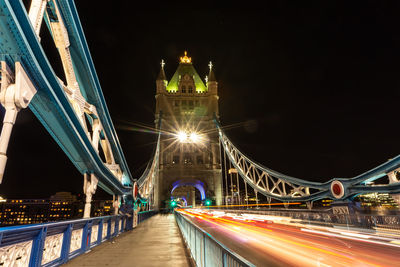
(275, 241)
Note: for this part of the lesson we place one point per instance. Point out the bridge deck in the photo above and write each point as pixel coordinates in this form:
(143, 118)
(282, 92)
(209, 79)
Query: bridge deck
(155, 242)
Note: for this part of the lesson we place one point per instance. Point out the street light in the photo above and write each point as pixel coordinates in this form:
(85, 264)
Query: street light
(186, 137)
(194, 137)
(182, 137)
(173, 203)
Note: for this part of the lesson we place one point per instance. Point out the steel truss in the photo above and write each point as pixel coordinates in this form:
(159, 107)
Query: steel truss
(282, 187)
(146, 183)
(73, 111)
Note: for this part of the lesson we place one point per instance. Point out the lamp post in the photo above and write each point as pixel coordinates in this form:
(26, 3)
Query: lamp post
(232, 171)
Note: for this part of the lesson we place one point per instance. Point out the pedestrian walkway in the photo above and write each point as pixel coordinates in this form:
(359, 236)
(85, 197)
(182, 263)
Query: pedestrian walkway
(155, 242)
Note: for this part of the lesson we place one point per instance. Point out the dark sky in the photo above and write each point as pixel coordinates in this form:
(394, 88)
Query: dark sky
(316, 84)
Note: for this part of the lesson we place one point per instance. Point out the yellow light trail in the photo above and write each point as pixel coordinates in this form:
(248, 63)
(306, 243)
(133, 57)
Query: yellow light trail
(262, 231)
(254, 205)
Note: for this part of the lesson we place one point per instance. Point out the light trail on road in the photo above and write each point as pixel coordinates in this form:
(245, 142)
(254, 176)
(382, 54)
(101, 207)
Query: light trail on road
(274, 241)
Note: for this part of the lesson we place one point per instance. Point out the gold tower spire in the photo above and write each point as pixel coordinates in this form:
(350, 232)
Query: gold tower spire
(186, 59)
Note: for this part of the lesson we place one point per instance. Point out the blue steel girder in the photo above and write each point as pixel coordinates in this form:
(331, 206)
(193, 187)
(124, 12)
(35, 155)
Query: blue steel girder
(286, 188)
(88, 80)
(147, 181)
(50, 104)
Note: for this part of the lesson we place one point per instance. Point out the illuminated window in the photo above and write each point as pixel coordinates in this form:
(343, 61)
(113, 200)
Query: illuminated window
(187, 159)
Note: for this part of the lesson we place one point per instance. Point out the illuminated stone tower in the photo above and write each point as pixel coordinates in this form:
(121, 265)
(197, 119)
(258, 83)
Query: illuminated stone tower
(189, 157)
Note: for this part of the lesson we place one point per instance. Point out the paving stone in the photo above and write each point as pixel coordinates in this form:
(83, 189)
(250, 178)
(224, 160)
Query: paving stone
(155, 242)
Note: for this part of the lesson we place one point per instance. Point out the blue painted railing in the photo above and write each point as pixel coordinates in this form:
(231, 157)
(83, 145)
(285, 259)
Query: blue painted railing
(205, 249)
(52, 244)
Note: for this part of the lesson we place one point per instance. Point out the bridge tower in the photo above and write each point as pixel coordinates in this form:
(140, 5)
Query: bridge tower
(190, 165)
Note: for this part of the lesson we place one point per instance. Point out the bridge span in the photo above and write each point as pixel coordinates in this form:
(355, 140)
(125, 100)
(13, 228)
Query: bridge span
(268, 240)
(214, 189)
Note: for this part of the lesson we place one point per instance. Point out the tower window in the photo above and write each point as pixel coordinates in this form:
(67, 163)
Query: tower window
(190, 90)
(183, 89)
(187, 159)
(175, 159)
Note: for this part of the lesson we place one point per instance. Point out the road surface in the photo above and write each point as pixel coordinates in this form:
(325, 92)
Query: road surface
(277, 241)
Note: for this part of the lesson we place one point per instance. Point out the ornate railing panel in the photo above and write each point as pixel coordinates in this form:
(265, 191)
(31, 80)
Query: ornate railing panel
(52, 244)
(76, 239)
(104, 231)
(95, 233)
(52, 248)
(16, 255)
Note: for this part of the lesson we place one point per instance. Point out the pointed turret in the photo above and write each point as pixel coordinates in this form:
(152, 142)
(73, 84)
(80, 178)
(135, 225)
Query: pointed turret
(212, 81)
(161, 80)
(186, 79)
(211, 75)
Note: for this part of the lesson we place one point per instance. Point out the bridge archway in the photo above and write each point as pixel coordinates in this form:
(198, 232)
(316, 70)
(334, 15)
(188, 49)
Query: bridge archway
(196, 183)
(187, 188)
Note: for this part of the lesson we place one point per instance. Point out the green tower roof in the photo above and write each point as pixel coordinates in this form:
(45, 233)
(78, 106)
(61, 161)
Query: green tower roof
(186, 68)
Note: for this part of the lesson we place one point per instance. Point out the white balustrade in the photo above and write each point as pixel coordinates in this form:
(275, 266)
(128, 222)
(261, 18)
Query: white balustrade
(95, 234)
(16, 255)
(76, 240)
(104, 233)
(112, 227)
(52, 248)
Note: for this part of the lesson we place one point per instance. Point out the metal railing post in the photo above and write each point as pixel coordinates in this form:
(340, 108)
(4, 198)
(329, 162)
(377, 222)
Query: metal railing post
(100, 232)
(66, 244)
(37, 248)
(85, 237)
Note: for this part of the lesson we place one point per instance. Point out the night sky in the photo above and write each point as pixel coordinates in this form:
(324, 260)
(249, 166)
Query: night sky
(315, 85)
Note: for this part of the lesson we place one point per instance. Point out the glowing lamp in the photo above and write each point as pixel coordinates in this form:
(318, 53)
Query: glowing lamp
(182, 136)
(194, 137)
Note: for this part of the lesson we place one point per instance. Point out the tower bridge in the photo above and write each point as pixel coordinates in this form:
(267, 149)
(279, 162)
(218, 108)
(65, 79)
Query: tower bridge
(193, 161)
(189, 149)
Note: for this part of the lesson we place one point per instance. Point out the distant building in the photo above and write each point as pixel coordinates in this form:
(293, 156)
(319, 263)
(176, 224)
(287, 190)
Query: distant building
(102, 208)
(375, 201)
(64, 206)
(61, 206)
(24, 211)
